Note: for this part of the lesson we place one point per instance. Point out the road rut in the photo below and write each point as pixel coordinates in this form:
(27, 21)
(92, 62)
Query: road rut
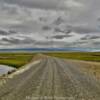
(51, 79)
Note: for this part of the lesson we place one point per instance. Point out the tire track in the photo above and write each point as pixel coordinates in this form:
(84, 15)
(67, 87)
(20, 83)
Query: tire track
(27, 86)
(51, 79)
(46, 89)
(85, 89)
(68, 87)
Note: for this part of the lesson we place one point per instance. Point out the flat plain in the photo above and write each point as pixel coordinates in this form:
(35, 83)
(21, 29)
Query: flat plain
(48, 77)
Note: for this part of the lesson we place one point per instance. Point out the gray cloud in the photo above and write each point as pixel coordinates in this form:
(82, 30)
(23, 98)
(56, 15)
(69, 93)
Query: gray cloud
(90, 37)
(46, 28)
(68, 22)
(18, 41)
(44, 4)
(7, 32)
(2, 32)
(97, 43)
(61, 36)
(86, 29)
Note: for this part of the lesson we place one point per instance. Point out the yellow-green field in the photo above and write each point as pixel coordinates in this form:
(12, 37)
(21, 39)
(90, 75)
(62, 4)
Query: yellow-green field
(92, 67)
(19, 59)
(15, 59)
(87, 56)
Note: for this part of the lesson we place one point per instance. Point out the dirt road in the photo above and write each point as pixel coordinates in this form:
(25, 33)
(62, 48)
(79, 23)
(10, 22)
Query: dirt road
(51, 79)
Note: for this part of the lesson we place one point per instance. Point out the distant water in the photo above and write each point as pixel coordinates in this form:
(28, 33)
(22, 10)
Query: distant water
(5, 69)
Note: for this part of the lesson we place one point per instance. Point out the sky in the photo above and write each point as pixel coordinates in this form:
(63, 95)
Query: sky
(49, 23)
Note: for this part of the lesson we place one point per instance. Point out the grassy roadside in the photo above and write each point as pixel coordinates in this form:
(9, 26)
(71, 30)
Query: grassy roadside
(87, 56)
(15, 59)
(19, 59)
(87, 67)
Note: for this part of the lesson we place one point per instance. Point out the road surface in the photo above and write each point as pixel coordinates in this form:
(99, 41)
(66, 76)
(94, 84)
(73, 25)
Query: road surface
(51, 79)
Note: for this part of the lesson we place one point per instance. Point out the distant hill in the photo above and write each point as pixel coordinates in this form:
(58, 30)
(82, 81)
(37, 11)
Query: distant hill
(49, 49)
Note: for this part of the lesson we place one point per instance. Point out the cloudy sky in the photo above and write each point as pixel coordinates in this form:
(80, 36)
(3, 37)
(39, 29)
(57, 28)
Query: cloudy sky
(49, 23)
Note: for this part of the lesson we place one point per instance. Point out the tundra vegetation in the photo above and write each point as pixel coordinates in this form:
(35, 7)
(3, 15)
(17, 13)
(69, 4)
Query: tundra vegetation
(15, 59)
(19, 59)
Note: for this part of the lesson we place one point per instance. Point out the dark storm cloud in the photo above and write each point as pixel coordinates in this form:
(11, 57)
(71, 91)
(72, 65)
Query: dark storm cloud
(18, 41)
(11, 41)
(89, 37)
(2, 32)
(46, 28)
(95, 37)
(7, 32)
(66, 31)
(61, 36)
(58, 21)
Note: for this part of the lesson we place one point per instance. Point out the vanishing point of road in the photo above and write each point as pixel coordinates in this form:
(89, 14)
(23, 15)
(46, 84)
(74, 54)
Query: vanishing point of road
(51, 79)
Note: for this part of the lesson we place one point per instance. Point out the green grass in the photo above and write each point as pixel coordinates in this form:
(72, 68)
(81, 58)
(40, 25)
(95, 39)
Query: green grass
(19, 59)
(87, 56)
(15, 59)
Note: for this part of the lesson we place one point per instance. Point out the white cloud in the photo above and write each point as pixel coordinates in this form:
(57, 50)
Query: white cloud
(73, 3)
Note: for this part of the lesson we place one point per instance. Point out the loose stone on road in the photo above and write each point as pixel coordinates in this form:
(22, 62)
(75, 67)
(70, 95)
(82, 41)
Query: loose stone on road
(51, 79)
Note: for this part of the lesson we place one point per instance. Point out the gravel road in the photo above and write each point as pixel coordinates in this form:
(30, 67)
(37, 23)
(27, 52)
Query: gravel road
(51, 79)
